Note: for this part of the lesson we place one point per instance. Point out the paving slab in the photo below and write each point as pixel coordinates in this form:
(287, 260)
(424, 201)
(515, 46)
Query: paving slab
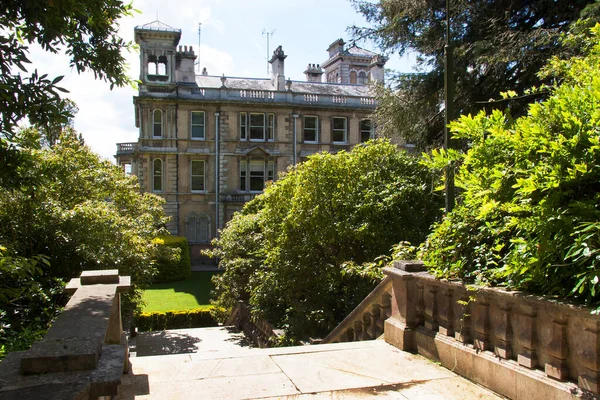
(356, 370)
(184, 341)
(230, 388)
(380, 364)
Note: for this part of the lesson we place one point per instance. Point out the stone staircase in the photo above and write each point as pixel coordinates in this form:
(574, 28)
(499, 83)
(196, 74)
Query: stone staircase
(223, 367)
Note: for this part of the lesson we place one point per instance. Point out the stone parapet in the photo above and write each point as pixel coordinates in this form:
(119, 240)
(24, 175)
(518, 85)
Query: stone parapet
(519, 345)
(83, 355)
(367, 320)
(248, 96)
(261, 332)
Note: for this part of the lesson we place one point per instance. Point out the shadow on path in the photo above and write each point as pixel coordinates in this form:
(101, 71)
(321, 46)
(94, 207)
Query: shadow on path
(238, 337)
(161, 343)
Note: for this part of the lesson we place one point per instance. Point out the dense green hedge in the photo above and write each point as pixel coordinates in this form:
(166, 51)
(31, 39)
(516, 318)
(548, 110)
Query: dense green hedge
(196, 318)
(173, 267)
(528, 215)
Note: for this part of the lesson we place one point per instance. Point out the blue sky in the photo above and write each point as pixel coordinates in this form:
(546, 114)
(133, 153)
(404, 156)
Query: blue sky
(232, 43)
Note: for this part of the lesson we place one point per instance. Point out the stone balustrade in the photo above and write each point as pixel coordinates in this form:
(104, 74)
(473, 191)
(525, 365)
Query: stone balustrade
(366, 322)
(125, 148)
(519, 345)
(279, 97)
(260, 331)
(85, 352)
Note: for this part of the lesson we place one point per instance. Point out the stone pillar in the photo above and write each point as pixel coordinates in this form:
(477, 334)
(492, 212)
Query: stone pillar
(558, 349)
(446, 314)
(503, 348)
(401, 325)
(430, 298)
(590, 360)
(526, 335)
(463, 331)
(481, 325)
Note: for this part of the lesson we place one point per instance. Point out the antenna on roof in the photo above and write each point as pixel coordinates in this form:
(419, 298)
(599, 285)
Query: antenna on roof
(265, 32)
(199, 37)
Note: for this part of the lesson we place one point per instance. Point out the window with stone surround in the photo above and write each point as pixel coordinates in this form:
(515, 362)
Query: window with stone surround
(157, 123)
(339, 129)
(270, 126)
(197, 175)
(362, 78)
(255, 173)
(257, 126)
(311, 129)
(197, 125)
(198, 228)
(366, 130)
(243, 126)
(157, 175)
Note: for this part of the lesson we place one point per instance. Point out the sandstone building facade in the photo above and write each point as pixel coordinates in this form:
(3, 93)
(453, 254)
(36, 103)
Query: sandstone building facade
(207, 144)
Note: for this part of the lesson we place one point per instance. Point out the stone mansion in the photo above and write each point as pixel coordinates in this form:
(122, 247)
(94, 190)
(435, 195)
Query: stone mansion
(207, 144)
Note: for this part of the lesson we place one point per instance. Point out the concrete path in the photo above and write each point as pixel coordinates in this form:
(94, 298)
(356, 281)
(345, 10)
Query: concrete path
(183, 341)
(357, 370)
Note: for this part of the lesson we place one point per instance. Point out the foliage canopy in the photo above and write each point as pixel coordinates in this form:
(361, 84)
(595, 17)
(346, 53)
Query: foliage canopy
(530, 206)
(301, 254)
(72, 211)
(498, 46)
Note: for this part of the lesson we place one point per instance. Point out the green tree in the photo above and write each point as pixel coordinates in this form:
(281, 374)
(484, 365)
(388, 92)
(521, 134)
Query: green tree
(85, 30)
(498, 46)
(71, 212)
(302, 253)
(529, 213)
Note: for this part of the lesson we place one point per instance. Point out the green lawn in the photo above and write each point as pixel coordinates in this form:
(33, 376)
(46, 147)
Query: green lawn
(182, 295)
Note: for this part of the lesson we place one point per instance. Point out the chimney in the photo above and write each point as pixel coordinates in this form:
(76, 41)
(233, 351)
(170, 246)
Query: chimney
(185, 58)
(376, 68)
(277, 71)
(313, 73)
(336, 47)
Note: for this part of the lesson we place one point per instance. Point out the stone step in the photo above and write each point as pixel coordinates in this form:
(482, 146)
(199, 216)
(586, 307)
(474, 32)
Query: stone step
(331, 371)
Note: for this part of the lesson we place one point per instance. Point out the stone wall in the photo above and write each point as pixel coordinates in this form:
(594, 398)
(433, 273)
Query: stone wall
(83, 355)
(519, 345)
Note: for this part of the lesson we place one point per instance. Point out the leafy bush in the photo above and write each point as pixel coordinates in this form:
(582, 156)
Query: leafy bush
(197, 318)
(71, 212)
(173, 262)
(302, 253)
(530, 205)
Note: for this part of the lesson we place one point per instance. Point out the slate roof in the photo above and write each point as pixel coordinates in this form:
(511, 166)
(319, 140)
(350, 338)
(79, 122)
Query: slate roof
(214, 82)
(359, 51)
(157, 26)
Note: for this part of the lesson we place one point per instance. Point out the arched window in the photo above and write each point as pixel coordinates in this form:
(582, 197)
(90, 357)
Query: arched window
(362, 78)
(353, 77)
(157, 175)
(157, 123)
(152, 65)
(198, 228)
(162, 66)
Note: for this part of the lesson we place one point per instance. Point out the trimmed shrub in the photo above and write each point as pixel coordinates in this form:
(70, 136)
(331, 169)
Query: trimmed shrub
(182, 319)
(173, 262)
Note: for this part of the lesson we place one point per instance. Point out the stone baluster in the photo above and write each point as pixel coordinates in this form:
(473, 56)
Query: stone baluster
(526, 333)
(367, 319)
(558, 349)
(481, 324)
(430, 299)
(376, 327)
(446, 314)
(420, 303)
(463, 330)
(386, 305)
(347, 336)
(358, 331)
(590, 359)
(503, 347)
